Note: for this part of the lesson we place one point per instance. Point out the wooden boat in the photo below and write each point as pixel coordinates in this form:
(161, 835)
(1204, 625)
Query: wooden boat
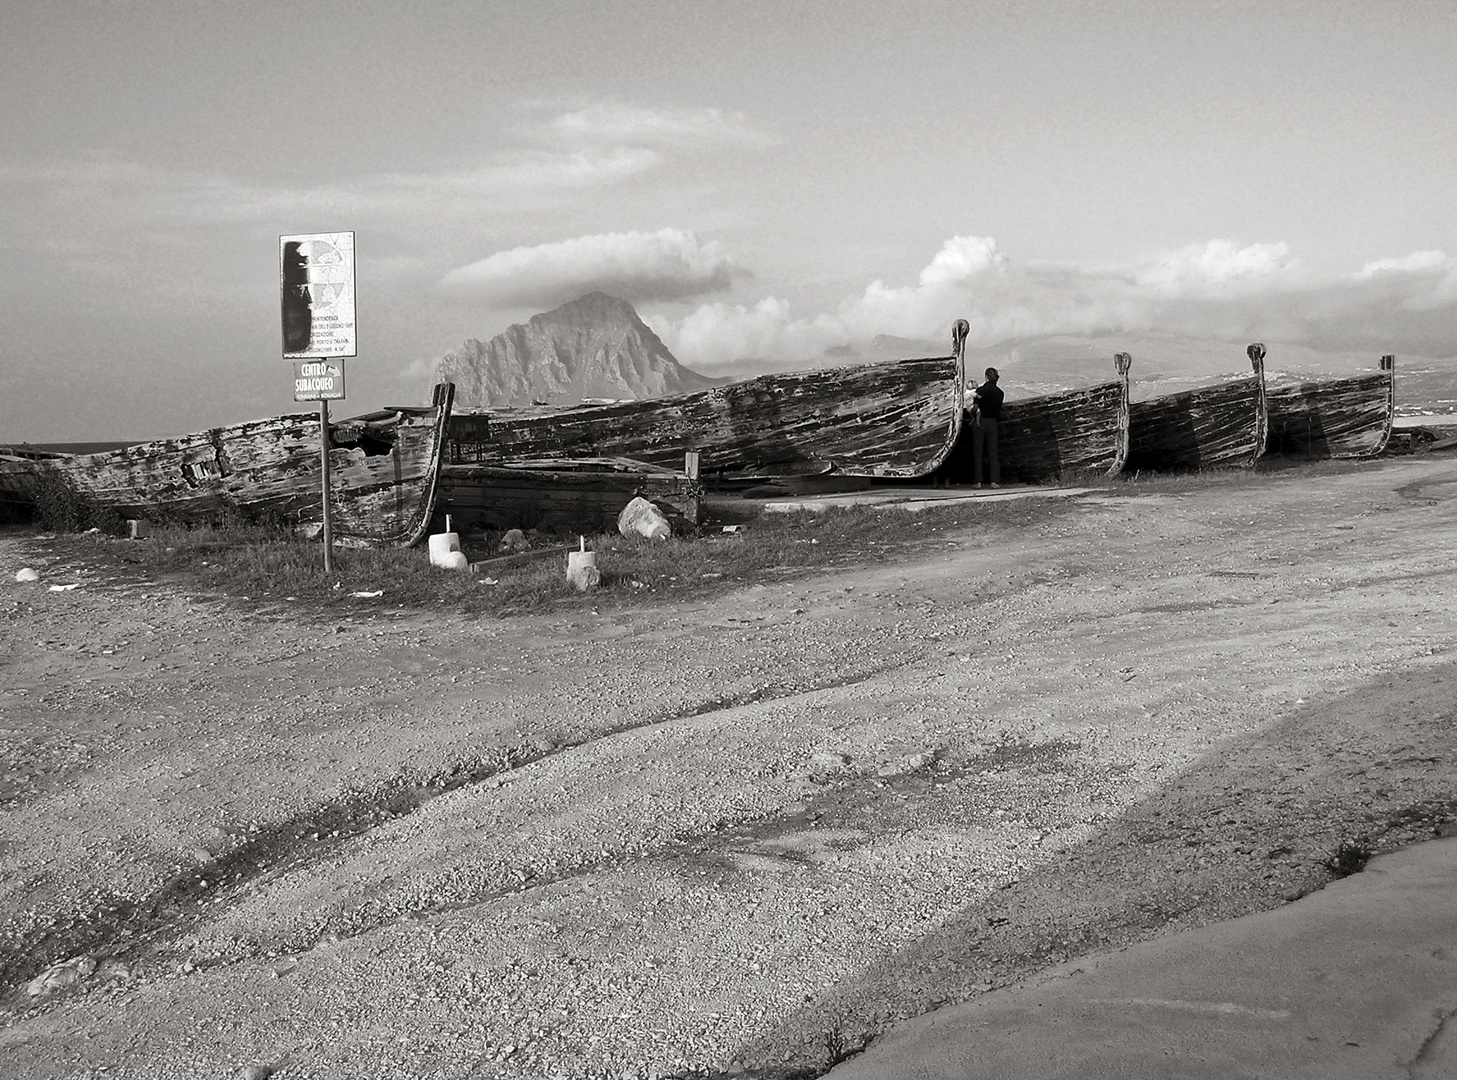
(1334, 418)
(561, 495)
(1212, 426)
(384, 466)
(899, 419)
(1058, 435)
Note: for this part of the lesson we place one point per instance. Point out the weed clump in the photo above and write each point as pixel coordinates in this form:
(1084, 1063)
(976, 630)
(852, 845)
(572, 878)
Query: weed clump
(59, 507)
(1349, 858)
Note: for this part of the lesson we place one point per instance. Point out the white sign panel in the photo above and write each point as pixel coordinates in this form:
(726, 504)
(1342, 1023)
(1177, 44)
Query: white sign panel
(316, 277)
(318, 380)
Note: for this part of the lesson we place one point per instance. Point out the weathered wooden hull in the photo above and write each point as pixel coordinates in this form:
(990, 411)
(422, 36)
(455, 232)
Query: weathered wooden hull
(560, 496)
(384, 469)
(1211, 427)
(1061, 434)
(898, 419)
(1057, 435)
(1335, 418)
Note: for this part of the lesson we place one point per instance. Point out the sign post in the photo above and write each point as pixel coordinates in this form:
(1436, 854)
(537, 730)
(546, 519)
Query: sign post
(316, 283)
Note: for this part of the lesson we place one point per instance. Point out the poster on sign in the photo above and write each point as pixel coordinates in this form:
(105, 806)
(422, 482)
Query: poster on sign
(316, 278)
(318, 380)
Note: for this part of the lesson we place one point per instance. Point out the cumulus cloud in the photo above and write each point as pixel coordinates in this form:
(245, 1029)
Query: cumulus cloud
(1220, 289)
(720, 337)
(1218, 265)
(1421, 281)
(669, 264)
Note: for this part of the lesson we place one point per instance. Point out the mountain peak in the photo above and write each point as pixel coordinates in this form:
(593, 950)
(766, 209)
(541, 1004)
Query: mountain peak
(597, 307)
(595, 346)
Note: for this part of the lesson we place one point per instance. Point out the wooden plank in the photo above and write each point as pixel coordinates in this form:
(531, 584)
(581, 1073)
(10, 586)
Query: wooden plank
(521, 558)
(494, 497)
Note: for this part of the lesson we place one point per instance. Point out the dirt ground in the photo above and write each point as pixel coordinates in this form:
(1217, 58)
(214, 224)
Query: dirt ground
(742, 836)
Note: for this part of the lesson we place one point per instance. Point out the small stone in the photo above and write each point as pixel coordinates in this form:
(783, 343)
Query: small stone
(256, 1072)
(59, 976)
(25, 573)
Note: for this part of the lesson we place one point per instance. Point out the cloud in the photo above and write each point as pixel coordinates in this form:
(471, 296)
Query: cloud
(107, 188)
(621, 124)
(721, 337)
(1422, 281)
(109, 222)
(666, 265)
(1219, 289)
(1219, 265)
(516, 173)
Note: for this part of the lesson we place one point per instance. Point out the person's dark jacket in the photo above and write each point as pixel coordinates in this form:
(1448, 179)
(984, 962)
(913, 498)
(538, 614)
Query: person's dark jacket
(988, 399)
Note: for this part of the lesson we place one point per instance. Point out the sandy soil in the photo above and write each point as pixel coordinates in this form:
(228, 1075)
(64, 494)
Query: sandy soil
(741, 836)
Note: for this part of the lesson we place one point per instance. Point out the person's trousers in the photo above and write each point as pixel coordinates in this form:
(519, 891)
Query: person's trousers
(984, 445)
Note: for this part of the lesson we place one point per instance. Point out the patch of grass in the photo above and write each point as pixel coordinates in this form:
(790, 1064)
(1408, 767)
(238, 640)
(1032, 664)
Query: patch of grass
(267, 564)
(264, 562)
(1179, 483)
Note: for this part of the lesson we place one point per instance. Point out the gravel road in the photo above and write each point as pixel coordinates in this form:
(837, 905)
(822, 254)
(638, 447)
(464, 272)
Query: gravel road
(687, 839)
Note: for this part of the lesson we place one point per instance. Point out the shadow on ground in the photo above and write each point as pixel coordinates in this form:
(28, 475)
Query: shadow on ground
(1254, 824)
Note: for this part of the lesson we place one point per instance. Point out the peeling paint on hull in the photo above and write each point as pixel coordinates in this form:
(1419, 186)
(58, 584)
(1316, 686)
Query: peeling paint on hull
(384, 468)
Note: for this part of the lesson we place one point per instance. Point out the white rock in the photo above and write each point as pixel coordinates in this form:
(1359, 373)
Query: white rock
(61, 975)
(582, 570)
(442, 546)
(26, 574)
(643, 518)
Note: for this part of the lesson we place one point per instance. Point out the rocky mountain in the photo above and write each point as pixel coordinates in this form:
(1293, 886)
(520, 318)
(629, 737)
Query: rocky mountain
(593, 347)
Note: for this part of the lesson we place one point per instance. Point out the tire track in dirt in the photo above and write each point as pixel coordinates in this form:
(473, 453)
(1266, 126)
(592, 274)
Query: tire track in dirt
(117, 928)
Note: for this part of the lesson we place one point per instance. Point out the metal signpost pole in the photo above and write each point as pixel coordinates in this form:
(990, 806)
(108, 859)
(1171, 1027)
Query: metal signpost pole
(328, 524)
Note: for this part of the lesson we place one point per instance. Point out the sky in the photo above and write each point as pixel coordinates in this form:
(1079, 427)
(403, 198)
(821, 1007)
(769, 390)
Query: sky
(763, 181)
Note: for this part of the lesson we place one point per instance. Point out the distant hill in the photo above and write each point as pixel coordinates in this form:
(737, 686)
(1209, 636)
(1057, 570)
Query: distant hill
(593, 347)
(887, 347)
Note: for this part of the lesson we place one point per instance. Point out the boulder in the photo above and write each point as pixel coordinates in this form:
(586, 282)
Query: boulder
(641, 518)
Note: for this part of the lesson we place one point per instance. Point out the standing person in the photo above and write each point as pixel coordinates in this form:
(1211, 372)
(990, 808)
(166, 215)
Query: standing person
(986, 415)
